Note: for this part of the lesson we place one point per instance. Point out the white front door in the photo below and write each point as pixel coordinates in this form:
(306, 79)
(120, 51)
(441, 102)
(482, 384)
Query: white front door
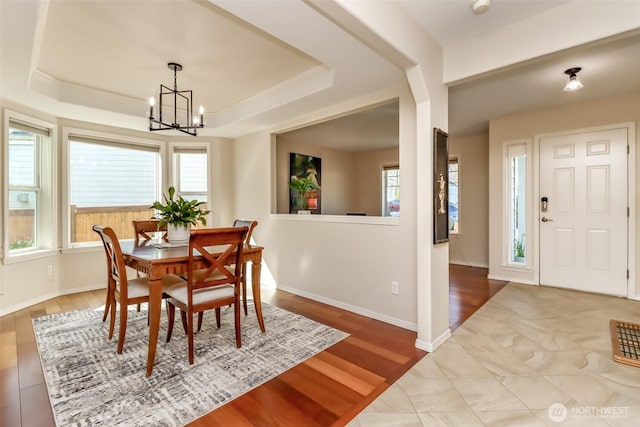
(583, 233)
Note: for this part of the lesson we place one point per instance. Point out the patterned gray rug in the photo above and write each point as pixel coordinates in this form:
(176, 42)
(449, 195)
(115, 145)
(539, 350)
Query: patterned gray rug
(89, 384)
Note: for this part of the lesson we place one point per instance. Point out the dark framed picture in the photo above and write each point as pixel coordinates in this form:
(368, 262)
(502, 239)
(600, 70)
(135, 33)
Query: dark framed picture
(305, 184)
(440, 186)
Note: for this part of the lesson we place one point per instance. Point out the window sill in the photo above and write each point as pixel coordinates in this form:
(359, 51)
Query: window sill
(344, 219)
(29, 256)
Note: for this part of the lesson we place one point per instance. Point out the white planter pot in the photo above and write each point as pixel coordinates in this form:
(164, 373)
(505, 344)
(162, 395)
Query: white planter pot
(178, 234)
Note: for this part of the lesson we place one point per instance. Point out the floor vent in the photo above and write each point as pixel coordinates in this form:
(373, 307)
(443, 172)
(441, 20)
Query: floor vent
(625, 338)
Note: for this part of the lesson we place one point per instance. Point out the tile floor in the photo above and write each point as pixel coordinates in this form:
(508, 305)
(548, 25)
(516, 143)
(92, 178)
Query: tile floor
(531, 356)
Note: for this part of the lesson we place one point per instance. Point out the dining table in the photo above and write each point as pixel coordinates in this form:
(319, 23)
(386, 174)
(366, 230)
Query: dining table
(157, 259)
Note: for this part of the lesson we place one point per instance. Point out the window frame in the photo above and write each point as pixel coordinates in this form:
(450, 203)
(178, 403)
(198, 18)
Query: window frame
(384, 179)
(46, 159)
(510, 149)
(176, 148)
(457, 158)
(117, 139)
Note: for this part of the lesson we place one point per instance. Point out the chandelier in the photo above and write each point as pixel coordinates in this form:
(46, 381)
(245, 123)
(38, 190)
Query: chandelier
(182, 108)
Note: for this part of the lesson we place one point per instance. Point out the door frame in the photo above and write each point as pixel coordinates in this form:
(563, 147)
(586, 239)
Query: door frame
(631, 196)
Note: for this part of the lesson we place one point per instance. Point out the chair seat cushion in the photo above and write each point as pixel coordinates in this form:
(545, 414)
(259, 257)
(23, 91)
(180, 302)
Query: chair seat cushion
(179, 292)
(139, 287)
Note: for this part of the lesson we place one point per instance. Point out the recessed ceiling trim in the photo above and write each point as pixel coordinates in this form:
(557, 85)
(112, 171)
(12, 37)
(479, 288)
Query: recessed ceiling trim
(305, 84)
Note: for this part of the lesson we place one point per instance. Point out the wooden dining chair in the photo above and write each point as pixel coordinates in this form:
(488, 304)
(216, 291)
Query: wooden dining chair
(122, 290)
(243, 272)
(110, 284)
(212, 287)
(142, 228)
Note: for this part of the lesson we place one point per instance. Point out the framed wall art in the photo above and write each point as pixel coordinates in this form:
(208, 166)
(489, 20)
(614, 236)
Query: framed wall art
(440, 186)
(305, 184)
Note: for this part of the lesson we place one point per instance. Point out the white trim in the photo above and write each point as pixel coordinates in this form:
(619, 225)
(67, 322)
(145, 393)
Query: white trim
(467, 264)
(432, 346)
(631, 202)
(458, 157)
(47, 172)
(377, 316)
(30, 255)
(512, 280)
(48, 296)
(349, 219)
(28, 303)
(506, 204)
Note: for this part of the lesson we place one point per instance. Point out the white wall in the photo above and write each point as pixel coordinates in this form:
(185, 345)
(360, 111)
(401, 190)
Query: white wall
(525, 126)
(471, 245)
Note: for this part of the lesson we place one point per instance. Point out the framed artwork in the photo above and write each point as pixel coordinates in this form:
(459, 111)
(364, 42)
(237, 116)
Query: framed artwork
(305, 179)
(440, 186)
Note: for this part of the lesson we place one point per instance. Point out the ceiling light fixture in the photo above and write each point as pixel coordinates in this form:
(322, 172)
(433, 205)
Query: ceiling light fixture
(574, 82)
(480, 6)
(177, 98)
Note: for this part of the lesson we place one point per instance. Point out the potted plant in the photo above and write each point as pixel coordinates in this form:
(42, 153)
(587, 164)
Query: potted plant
(302, 186)
(179, 215)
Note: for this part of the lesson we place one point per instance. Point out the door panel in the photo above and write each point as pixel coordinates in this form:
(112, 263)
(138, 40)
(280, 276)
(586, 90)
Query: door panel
(583, 233)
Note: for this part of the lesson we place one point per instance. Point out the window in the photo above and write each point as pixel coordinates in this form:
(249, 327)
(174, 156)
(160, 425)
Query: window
(30, 158)
(516, 199)
(454, 195)
(391, 191)
(111, 182)
(192, 177)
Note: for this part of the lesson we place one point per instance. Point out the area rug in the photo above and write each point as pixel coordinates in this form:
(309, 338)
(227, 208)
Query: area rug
(91, 385)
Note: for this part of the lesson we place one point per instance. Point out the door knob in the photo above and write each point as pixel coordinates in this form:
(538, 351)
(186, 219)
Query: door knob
(545, 219)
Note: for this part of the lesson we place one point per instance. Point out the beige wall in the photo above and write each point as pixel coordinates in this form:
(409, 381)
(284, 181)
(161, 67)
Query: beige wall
(368, 179)
(26, 282)
(471, 245)
(350, 181)
(526, 126)
(345, 261)
(337, 175)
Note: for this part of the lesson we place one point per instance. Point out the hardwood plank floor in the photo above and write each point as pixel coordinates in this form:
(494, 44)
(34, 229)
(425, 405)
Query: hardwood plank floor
(327, 390)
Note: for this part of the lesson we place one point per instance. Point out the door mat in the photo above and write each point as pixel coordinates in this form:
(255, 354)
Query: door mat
(625, 339)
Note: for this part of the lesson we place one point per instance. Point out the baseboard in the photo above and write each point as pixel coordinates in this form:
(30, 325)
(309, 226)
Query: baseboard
(358, 310)
(511, 279)
(467, 264)
(28, 303)
(82, 289)
(45, 297)
(432, 346)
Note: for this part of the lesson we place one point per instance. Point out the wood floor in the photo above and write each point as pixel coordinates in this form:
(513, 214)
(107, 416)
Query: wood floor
(327, 390)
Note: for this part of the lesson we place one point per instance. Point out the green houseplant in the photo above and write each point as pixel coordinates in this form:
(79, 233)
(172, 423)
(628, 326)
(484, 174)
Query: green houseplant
(302, 186)
(518, 249)
(179, 215)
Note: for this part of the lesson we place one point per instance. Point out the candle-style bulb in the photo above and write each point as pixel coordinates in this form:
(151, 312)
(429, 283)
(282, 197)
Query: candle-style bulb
(201, 116)
(152, 102)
